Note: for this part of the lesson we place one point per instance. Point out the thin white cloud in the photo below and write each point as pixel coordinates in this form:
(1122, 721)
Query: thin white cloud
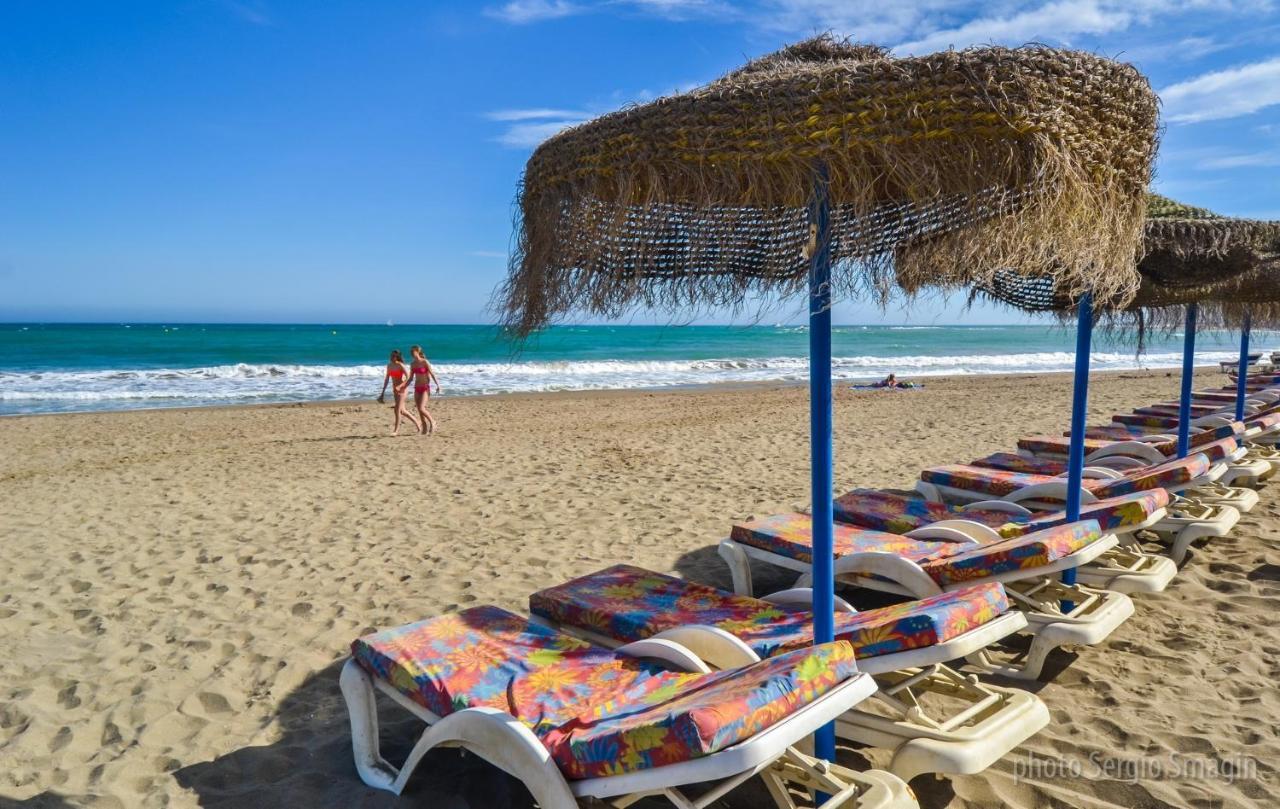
(1056, 21)
(520, 12)
(1238, 161)
(250, 12)
(533, 114)
(1224, 93)
(527, 133)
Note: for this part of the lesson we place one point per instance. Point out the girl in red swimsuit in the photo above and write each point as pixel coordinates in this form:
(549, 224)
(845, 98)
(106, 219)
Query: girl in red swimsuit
(398, 375)
(423, 376)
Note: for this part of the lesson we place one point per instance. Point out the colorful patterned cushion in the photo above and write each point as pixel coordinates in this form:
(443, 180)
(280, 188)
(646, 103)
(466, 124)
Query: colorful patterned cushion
(598, 713)
(1145, 420)
(1265, 421)
(1165, 409)
(999, 482)
(1215, 448)
(895, 513)
(1057, 445)
(1123, 432)
(1013, 462)
(628, 603)
(947, 563)
(887, 511)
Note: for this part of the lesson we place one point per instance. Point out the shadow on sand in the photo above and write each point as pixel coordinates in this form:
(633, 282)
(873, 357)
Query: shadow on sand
(45, 800)
(311, 765)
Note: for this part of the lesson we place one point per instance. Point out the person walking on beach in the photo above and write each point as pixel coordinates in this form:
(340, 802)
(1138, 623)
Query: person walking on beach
(423, 376)
(398, 375)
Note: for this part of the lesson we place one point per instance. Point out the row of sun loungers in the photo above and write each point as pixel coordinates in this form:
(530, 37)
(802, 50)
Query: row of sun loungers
(626, 683)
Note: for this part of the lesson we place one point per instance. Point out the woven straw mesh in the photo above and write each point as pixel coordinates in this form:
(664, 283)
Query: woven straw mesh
(1191, 255)
(942, 170)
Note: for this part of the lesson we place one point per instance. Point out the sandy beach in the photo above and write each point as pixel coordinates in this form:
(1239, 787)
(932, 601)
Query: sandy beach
(179, 587)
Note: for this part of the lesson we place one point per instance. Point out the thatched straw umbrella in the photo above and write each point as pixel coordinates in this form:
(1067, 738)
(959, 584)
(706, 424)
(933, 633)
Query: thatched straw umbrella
(842, 166)
(1195, 262)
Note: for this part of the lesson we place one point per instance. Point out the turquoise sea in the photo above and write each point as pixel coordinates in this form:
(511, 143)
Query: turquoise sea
(48, 368)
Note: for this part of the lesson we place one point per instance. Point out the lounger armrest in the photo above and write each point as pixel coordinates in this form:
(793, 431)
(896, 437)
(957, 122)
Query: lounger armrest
(1134, 449)
(668, 651)
(1212, 421)
(1098, 473)
(903, 572)
(803, 597)
(1055, 490)
(998, 505)
(963, 531)
(712, 645)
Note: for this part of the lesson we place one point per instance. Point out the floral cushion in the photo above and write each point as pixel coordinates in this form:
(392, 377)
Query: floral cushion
(791, 535)
(1146, 420)
(895, 513)
(1164, 409)
(1216, 448)
(1265, 421)
(628, 603)
(1014, 462)
(1124, 432)
(999, 482)
(947, 563)
(887, 511)
(597, 713)
(1057, 445)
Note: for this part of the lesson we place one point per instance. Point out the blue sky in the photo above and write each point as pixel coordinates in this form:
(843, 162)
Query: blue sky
(356, 160)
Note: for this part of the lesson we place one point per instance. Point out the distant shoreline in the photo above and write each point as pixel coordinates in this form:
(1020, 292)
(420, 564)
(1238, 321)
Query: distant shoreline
(705, 388)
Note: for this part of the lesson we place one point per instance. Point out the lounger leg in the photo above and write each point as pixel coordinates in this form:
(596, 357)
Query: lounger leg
(739, 567)
(1036, 655)
(357, 690)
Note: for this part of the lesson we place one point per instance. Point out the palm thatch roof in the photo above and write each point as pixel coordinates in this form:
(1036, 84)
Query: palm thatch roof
(1190, 255)
(941, 171)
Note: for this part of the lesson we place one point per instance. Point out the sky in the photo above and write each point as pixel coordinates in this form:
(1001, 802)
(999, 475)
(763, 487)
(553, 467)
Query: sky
(356, 160)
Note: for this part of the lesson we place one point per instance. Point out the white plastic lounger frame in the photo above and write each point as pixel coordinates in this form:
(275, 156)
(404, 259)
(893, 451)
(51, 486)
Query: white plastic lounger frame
(508, 744)
(1037, 593)
(991, 722)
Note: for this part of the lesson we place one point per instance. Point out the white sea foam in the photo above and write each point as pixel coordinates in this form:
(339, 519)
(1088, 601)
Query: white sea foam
(248, 383)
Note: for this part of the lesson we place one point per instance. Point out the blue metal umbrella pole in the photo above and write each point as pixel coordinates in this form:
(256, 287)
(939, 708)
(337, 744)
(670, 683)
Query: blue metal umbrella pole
(1079, 414)
(1188, 366)
(1242, 372)
(822, 480)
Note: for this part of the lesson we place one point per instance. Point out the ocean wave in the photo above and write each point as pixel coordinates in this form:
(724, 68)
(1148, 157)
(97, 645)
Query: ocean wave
(116, 388)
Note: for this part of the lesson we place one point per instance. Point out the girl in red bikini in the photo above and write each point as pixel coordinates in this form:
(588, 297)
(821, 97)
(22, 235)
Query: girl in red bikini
(398, 375)
(423, 376)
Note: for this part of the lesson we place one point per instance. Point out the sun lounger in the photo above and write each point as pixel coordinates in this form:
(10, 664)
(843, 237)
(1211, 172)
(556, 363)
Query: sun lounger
(1188, 519)
(1194, 474)
(1125, 568)
(920, 565)
(934, 719)
(571, 720)
(1229, 462)
(1243, 469)
(1260, 429)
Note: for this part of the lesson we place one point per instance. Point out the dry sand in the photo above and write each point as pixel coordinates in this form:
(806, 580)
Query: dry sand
(178, 587)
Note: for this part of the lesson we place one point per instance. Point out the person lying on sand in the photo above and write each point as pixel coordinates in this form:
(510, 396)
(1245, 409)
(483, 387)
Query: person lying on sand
(891, 381)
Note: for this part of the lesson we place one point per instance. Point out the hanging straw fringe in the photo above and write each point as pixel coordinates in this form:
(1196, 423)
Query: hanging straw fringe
(944, 170)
